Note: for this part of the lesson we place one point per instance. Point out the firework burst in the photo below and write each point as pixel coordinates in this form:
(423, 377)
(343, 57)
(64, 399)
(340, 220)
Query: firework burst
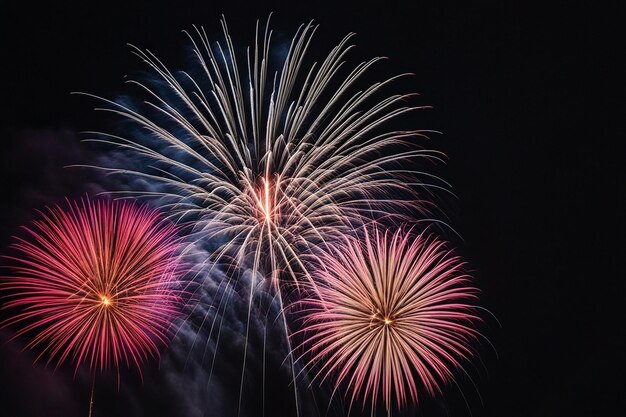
(270, 162)
(95, 284)
(395, 316)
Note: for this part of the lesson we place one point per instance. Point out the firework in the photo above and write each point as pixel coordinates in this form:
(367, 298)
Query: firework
(394, 317)
(94, 284)
(269, 162)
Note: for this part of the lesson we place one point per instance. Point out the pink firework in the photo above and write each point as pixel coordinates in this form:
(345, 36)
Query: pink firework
(95, 284)
(394, 317)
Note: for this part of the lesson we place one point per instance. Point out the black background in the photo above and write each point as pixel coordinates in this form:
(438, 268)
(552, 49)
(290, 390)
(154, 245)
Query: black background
(529, 99)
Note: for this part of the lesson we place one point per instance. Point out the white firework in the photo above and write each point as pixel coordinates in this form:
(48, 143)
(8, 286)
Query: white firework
(271, 164)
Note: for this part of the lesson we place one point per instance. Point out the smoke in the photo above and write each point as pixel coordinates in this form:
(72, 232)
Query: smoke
(228, 355)
(38, 168)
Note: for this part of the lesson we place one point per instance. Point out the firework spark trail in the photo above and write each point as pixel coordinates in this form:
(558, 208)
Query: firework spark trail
(395, 315)
(95, 284)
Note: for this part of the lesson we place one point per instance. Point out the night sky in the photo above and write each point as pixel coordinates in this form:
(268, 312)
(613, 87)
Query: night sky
(529, 101)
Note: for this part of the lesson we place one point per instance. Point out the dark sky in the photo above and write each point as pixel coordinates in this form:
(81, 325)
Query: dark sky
(529, 100)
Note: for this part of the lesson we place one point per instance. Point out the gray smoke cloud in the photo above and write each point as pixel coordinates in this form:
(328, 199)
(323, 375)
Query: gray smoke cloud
(223, 339)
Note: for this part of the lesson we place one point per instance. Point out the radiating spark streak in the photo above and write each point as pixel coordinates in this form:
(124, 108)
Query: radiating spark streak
(393, 317)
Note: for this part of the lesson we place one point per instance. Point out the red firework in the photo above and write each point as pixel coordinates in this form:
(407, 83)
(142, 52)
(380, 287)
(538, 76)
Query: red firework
(394, 317)
(95, 284)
